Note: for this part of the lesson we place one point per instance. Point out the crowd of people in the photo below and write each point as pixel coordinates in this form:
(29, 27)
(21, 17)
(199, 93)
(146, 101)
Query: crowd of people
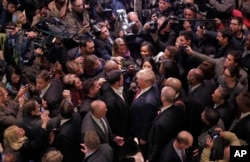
(124, 80)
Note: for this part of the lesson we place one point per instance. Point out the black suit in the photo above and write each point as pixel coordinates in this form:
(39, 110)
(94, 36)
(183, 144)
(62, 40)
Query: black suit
(68, 139)
(53, 96)
(103, 48)
(165, 127)
(197, 100)
(88, 123)
(242, 129)
(169, 154)
(117, 113)
(202, 94)
(32, 128)
(85, 108)
(143, 110)
(103, 154)
(226, 113)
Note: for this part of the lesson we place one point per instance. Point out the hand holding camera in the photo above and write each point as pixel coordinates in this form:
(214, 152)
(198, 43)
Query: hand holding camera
(213, 134)
(209, 143)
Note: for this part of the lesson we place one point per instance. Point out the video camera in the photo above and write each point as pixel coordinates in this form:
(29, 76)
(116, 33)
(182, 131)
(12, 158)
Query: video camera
(44, 42)
(153, 26)
(125, 25)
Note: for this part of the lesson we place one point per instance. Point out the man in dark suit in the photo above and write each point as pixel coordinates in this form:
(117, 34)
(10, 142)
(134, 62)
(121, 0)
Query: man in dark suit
(94, 150)
(68, 137)
(176, 84)
(241, 126)
(225, 110)
(144, 108)
(166, 125)
(96, 120)
(175, 151)
(198, 97)
(91, 90)
(116, 102)
(50, 90)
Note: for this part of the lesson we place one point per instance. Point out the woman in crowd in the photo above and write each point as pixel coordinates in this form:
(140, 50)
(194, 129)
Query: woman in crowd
(120, 48)
(15, 139)
(13, 84)
(10, 111)
(31, 123)
(74, 84)
(147, 50)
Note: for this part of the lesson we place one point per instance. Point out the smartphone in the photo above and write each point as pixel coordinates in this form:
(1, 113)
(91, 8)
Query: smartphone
(41, 109)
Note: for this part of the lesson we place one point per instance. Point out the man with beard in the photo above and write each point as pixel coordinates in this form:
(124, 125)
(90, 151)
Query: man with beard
(78, 18)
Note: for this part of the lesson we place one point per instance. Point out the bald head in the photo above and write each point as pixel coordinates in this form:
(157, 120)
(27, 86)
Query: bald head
(189, 1)
(185, 138)
(168, 95)
(133, 16)
(174, 83)
(195, 76)
(98, 108)
(110, 65)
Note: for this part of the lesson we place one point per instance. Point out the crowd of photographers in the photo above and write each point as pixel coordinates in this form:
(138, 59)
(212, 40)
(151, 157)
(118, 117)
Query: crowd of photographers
(81, 79)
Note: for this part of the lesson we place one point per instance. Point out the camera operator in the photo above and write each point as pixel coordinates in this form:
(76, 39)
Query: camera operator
(106, 10)
(130, 28)
(230, 137)
(103, 7)
(189, 14)
(21, 42)
(78, 18)
(161, 33)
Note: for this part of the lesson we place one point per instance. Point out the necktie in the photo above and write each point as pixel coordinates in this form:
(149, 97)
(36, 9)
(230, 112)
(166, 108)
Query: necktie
(137, 94)
(183, 156)
(104, 128)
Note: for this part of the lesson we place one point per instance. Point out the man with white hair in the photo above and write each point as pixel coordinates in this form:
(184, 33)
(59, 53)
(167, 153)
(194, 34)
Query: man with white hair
(144, 108)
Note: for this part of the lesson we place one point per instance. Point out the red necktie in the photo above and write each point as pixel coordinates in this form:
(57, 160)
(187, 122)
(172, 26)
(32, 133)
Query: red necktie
(138, 91)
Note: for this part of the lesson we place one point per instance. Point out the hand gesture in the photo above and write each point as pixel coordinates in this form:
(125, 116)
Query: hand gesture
(217, 21)
(101, 81)
(22, 90)
(142, 142)
(188, 50)
(119, 140)
(84, 148)
(220, 131)
(45, 118)
(66, 94)
(38, 51)
(21, 100)
(209, 143)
